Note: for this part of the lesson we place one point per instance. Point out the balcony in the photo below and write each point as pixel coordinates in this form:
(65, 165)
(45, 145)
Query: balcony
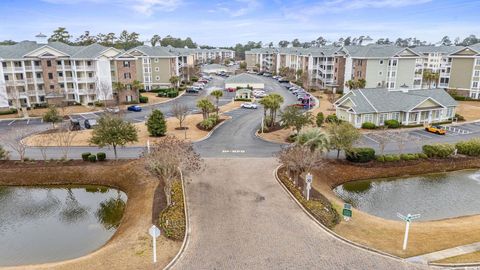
(67, 67)
(30, 80)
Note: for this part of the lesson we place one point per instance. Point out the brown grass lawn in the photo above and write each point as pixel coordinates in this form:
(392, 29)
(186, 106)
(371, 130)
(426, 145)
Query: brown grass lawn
(469, 109)
(131, 246)
(82, 137)
(65, 111)
(387, 235)
(473, 257)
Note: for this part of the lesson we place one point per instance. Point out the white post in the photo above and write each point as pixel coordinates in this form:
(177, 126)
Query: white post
(154, 249)
(148, 146)
(405, 239)
(263, 122)
(308, 191)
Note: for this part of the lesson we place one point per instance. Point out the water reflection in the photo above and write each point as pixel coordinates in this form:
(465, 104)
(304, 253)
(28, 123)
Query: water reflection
(40, 225)
(434, 196)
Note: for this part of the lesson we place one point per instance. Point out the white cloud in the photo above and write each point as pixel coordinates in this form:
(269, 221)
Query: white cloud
(238, 8)
(145, 7)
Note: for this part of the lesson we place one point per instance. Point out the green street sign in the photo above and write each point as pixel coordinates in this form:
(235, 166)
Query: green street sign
(347, 213)
(347, 206)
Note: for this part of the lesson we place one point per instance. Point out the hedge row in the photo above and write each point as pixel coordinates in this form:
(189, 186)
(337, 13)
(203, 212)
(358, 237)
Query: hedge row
(406, 157)
(172, 218)
(93, 158)
(360, 155)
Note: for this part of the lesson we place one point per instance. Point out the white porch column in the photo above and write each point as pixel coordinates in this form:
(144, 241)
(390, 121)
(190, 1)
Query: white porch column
(419, 116)
(407, 119)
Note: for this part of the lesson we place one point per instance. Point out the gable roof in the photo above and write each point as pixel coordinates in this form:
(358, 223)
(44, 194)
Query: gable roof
(21, 49)
(376, 51)
(244, 78)
(383, 100)
(437, 49)
(152, 51)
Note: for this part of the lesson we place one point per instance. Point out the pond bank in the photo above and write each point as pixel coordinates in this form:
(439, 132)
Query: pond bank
(130, 247)
(387, 235)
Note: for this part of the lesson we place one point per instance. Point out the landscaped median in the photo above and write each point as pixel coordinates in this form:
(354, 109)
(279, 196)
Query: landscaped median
(382, 234)
(131, 246)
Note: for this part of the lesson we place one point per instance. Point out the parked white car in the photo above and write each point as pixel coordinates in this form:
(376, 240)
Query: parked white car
(259, 94)
(249, 105)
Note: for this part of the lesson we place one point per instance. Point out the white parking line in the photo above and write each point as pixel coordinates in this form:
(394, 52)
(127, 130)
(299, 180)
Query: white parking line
(233, 151)
(419, 133)
(138, 119)
(84, 117)
(13, 121)
(28, 121)
(366, 136)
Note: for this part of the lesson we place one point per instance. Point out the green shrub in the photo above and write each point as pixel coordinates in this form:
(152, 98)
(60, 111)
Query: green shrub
(392, 123)
(469, 148)
(3, 153)
(143, 99)
(156, 124)
(9, 111)
(369, 125)
(459, 117)
(440, 150)
(172, 218)
(422, 156)
(332, 118)
(292, 138)
(409, 157)
(207, 124)
(172, 94)
(194, 79)
(360, 155)
(101, 156)
(85, 156)
(380, 158)
(389, 158)
(215, 118)
(244, 99)
(320, 118)
(92, 158)
(98, 104)
(404, 156)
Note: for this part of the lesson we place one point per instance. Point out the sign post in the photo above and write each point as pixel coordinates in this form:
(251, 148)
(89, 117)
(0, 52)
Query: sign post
(308, 181)
(154, 232)
(407, 220)
(347, 211)
(263, 123)
(148, 146)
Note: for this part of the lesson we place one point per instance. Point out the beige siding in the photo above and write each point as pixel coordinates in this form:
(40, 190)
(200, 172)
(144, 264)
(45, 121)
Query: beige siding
(376, 73)
(405, 72)
(161, 71)
(461, 75)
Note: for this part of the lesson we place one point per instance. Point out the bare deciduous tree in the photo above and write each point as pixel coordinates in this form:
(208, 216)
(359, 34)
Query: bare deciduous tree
(180, 111)
(14, 139)
(64, 137)
(44, 143)
(167, 157)
(104, 91)
(299, 159)
(402, 138)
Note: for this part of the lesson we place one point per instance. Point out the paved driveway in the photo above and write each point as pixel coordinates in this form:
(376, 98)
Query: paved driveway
(241, 218)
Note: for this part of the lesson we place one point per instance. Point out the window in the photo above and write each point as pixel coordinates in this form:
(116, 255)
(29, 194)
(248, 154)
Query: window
(396, 116)
(368, 118)
(157, 69)
(475, 85)
(89, 63)
(382, 118)
(39, 75)
(477, 73)
(449, 112)
(477, 62)
(392, 85)
(380, 73)
(381, 62)
(379, 84)
(6, 77)
(126, 64)
(91, 86)
(40, 87)
(156, 60)
(52, 86)
(59, 63)
(127, 75)
(49, 63)
(60, 74)
(157, 78)
(50, 76)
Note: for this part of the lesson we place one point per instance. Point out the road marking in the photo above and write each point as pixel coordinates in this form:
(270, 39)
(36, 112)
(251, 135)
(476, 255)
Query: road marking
(11, 122)
(138, 119)
(233, 151)
(84, 117)
(28, 121)
(419, 133)
(366, 136)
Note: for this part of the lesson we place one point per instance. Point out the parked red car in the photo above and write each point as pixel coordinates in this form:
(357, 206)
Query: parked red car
(231, 89)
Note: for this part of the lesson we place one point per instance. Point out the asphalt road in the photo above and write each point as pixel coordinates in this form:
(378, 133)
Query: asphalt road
(241, 218)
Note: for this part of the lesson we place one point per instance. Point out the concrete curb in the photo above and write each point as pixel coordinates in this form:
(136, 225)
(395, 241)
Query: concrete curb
(257, 134)
(211, 131)
(455, 266)
(186, 237)
(330, 232)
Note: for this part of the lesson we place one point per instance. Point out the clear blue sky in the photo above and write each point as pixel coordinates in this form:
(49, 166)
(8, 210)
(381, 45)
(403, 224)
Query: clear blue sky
(220, 23)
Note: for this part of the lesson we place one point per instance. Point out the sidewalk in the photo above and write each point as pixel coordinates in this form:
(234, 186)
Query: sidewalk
(446, 253)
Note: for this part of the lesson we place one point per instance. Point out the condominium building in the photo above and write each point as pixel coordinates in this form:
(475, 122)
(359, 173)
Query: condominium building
(206, 56)
(465, 72)
(152, 66)
(34, 73)
(437, 59)
(383, 66)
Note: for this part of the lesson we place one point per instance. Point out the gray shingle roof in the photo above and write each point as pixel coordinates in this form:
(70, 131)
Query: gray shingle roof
(383, 100)
(436, 49)
(153, 51)
(476, 47)
(244, 78)
(373, 51)
(20, 49)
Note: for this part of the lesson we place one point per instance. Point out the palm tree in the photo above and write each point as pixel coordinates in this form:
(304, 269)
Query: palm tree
(118, 87)
(276, 103)
(217, 94)
(174, 81)
(206, 106)
(266, 102)
(136, 85)
(361, 83)
(315, 139)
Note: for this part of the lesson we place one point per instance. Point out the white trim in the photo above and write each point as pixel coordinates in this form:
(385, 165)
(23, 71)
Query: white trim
(43, 47)
(428, 98)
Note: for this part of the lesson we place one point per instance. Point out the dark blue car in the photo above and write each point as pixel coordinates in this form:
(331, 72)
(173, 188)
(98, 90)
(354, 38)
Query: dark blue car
(134, 108)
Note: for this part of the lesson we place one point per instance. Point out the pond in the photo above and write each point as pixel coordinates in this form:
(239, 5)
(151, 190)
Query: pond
(434, 196)
(47, 224)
